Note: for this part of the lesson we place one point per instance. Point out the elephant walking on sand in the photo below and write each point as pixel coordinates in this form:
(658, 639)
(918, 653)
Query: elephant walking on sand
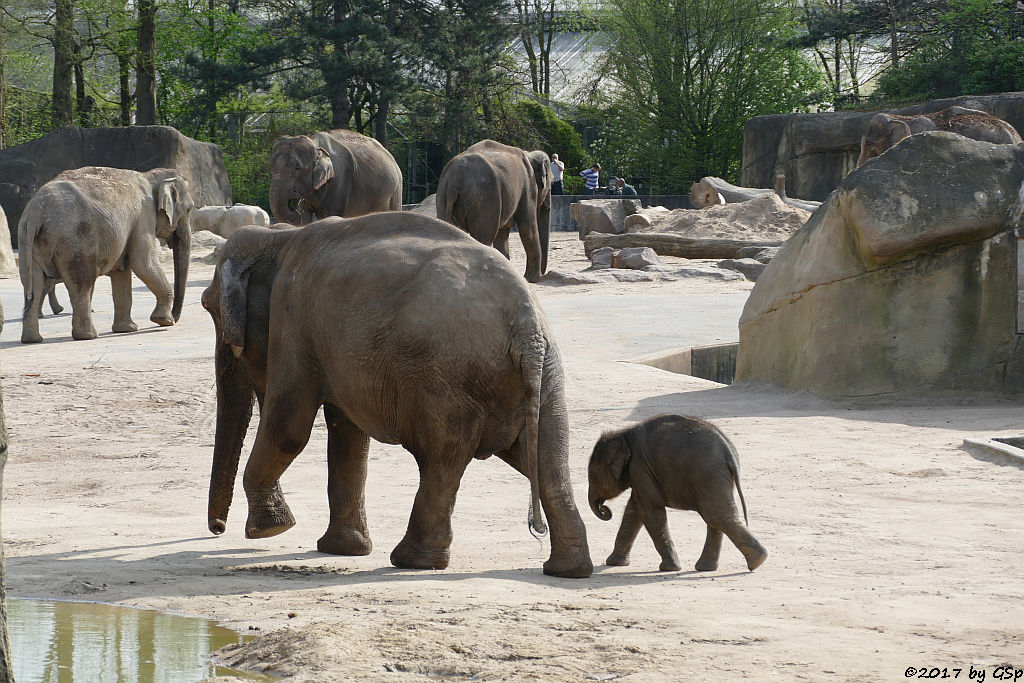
(332, 173)
(97, 221)
(489, 188)
(413, 346)
(885, 130)
(677, 462)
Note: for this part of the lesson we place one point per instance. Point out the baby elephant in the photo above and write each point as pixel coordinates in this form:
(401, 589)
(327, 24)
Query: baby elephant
(678, 462)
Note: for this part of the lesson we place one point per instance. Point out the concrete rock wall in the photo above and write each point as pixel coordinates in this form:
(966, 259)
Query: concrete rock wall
(904, 282)
(26, 168)
(816, 151)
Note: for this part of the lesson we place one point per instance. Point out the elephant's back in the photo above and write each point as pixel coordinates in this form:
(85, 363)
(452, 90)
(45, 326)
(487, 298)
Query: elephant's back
(93, 195)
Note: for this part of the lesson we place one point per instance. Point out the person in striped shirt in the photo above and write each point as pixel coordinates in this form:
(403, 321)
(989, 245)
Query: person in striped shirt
(591, 178)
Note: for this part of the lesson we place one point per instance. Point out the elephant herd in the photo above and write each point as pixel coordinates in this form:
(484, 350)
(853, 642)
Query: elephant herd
(403, 328)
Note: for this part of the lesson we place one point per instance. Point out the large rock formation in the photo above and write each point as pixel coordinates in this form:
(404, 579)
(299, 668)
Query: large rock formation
(905, 281)
(8, 266)
(815, 151)
(603, 215)
(25, 168)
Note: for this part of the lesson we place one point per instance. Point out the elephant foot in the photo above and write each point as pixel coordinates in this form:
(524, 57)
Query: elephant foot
(570, 565)
(268, 521)
(162, 319)
(669, 566)
(705, 565)
(409, 555)
(129, 326)
(83, 335)
(57, 310)
(31, 337)
(756, 559)
(345, 542)
(532, 276)
(617, 560)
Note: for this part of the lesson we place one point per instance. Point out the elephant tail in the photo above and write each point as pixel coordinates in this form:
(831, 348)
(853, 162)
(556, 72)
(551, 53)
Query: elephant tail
(28, 228)
(531, 361)
(734, 470)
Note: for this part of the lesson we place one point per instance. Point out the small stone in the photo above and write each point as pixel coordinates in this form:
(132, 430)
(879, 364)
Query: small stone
(602, 258)
(635, 258)
(750, 268)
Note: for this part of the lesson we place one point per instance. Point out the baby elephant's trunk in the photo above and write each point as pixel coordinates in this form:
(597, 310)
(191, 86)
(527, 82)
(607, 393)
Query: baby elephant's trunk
(600, 509)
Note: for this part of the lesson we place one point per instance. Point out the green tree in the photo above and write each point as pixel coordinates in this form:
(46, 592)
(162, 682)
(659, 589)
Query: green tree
(691, 72)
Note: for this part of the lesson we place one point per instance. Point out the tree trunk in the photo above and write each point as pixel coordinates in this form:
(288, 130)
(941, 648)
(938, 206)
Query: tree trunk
(124, 84)
(341, 106)
(63, 62)
(672, 245)
(145, 71)
(6, 664)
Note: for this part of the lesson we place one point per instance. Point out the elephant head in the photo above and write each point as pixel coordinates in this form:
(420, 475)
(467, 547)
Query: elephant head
(886, 130)
(174, 208)
(607, 472)
(299, 169)
(238, 301)
(541, 166)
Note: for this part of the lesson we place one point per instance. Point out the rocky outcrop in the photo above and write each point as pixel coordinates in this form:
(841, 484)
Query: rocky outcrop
(904, 282)
(8, 266)
(603, 215)
(763, 218)
(816, 151)
(25, 168)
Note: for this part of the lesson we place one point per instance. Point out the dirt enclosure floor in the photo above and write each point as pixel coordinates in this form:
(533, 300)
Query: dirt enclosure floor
(894, 553)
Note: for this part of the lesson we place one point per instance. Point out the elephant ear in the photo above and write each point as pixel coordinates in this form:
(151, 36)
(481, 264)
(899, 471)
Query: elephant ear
(898, 130)
(617, 456)
(542, 175)
(323, 169)
(234, 282)
(167, 199)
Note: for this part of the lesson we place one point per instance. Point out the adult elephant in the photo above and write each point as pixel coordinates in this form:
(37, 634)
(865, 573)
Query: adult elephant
(885, 130)
(416, 349)
(490, 187)
(95, 221)
(332, 173)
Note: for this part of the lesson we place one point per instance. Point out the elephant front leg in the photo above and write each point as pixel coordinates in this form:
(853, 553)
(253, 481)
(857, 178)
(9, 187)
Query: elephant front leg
(55, 306)
(656, 523)
(501, 241)
(121, 289)
(80, 291)
(147, 267)
(632, 520)
(530, 236)
(429, 535)
(347, 451)
(285, 423)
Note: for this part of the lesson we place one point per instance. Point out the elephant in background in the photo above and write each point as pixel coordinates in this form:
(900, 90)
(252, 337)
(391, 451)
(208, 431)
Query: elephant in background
(490, 187)
(416, 347)
(678, 462)
(332, 173)
(225, 220)
(885, 130)
(97, 221)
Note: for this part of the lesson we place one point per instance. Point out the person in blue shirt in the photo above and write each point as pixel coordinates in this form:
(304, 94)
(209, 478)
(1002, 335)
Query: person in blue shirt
(591, 178)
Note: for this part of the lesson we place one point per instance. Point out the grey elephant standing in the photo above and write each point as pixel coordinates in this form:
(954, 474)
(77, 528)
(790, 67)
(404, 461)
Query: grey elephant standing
(489, 188)
(677, 462)
(97, 221)
(885, 130)
(416, 347)
(332, 173)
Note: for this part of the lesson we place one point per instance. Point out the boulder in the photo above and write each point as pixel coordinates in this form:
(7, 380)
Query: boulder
(601, 258)
(816, 151)
(603, 215)
(25, 168)
(634, 258)
(763, 218)
(750, 268)
(8, 266)
(904, 282)
(759, 254)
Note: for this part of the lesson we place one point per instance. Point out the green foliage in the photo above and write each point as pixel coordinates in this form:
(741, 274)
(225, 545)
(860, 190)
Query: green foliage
(544, 130)
(690, 73)
(971, 51)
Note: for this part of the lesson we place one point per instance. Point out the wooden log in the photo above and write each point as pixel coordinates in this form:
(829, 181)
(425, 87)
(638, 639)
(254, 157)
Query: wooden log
(666, 244)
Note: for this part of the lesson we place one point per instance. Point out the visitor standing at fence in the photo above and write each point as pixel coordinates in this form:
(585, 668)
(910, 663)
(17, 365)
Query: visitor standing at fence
(591, 178)
(556, 175)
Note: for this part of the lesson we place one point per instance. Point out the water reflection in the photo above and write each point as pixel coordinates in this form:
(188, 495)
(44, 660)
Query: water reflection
(63, 642)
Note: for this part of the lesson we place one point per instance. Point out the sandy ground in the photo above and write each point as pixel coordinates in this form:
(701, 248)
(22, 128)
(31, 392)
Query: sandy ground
(890, 546)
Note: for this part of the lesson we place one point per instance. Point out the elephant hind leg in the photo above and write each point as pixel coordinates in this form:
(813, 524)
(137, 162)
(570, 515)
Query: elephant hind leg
(80, 288)
(733, 527)
(347, 451)
(35, 291)
(286, 419)
(429, 534)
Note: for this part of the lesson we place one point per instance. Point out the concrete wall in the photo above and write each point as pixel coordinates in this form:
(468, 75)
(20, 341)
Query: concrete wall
(816, 151)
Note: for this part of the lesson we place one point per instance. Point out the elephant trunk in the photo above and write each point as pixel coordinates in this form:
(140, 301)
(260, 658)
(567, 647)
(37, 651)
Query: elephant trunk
(544, 231)
(235, 395)
(280, 203)
(181, 245)
(600, 509)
